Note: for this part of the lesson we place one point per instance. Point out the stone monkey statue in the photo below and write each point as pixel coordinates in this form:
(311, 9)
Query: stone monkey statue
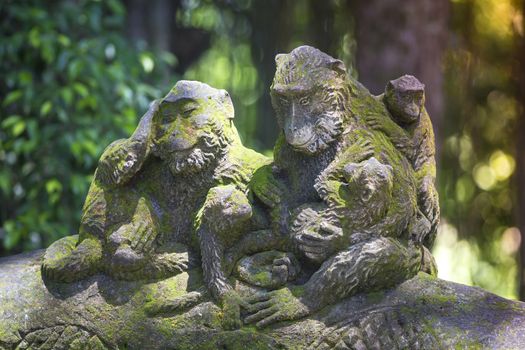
(145, 205)
(364, 195)
(322, 113)
(412, 133)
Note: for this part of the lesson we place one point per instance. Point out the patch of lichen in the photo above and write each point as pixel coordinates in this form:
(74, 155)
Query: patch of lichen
(437, 299)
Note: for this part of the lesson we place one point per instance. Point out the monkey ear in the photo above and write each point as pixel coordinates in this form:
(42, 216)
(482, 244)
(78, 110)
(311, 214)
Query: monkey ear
(338, 66)
(279, 58)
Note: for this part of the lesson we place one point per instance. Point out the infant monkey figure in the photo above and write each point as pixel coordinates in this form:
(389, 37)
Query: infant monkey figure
(405, 99)
(227, 216)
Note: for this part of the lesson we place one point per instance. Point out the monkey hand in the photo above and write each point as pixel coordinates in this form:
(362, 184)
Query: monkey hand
(284, 269)
(319, 246)
(278, 305)
(266, 187)
(119, 163)
(231, 310)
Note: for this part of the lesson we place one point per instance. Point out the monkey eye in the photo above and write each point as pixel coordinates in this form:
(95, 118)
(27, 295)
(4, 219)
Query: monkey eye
(188, 108)
(304, 101)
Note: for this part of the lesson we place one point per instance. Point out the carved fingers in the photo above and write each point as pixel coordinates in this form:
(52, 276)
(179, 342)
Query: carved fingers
(284, 269)
(184, 302)
(143, 237)
(333, 231)
(231, 308)
(279, 305)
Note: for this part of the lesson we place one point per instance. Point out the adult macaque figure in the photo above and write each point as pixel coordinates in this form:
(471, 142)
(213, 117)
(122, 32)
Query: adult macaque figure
(334, 166)
(139, 220)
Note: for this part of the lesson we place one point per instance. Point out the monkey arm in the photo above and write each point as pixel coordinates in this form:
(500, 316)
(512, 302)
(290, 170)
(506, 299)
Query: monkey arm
(142, 133)
(212, 252)
(372, 265)
(397, 135)
(428, 201)
(266, 187)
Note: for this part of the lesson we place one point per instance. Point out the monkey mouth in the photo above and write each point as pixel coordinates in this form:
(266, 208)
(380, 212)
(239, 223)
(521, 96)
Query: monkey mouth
(302, 144)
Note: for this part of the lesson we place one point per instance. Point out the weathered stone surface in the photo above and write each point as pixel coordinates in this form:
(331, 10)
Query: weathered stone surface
(102, 313)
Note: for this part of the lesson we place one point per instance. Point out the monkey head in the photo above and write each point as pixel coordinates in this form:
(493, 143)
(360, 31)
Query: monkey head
(309, 94)
(193, 126)
(368, 190)
(405, 98)
(120, 161)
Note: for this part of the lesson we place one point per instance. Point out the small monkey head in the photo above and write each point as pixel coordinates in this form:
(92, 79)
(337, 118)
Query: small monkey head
(369, 187)
(405, 98)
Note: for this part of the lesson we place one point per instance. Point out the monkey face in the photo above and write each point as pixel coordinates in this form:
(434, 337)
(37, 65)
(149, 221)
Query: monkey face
(368, 188)
(310, 119)
(309, 95)
(189, 127)
(405, 98)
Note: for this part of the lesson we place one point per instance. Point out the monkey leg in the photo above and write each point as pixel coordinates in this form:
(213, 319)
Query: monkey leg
(67, 261)
(156, 266)
(375, 264)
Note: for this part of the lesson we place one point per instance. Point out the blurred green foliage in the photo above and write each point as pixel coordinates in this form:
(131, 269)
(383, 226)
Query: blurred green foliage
(478, 242)
(71, 83)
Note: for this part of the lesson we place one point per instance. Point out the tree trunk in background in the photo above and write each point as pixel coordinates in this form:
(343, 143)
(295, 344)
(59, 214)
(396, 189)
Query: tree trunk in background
(266, 41)
(520, 161)
(404, 37)
(155, 22)
(292, 24)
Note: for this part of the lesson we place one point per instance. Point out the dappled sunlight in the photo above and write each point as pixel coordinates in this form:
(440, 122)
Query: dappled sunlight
(459, 260)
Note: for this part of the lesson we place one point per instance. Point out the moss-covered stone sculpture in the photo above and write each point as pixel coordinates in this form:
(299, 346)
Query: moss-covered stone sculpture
(189, 240)
(362, 225)
(138, 219)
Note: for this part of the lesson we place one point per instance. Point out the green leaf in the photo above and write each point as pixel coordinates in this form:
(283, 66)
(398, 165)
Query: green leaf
(13, 96)
(18, 128)
(13, 234)
(64, 40)
(54, 189)
(81, 89)
(53, 185)
(34, 37)
(10, 121)
(46, 108)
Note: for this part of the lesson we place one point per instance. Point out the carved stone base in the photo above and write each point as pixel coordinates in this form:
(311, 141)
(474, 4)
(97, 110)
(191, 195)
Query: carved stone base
(100, 313)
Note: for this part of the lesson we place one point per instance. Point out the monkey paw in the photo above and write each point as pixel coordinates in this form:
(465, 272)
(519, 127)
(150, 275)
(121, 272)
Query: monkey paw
(266, 187)
(271, 269)
(231, 310)
(126, 259)
(157, 307)
(278, 305)
(284, 269)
